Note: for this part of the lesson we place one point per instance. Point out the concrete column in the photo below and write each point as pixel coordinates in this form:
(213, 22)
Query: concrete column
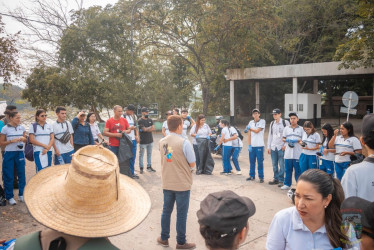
(257, 87)
(315, 86)
(373, 95)
(294, 94)
(232, 100)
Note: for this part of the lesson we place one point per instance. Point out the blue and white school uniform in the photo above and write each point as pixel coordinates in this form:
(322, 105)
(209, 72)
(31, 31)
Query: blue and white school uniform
(327, 160)
(292, 155)
(237, 146)
(66, 150)
(42, 135)
(226, 149)
(258, 144)
(165, 126)
(344, 145)
(186, 125)
(14, 157)
(308, 158)
(130, 119)
(203, 132)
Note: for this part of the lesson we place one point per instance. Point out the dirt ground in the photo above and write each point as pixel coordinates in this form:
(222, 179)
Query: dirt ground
(16, 221)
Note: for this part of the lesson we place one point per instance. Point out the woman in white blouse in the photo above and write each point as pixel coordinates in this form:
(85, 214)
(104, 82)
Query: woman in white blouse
(96, 134)
(315, 220)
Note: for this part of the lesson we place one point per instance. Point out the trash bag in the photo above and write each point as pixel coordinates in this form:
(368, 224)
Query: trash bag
(125, 154)
(206, 164)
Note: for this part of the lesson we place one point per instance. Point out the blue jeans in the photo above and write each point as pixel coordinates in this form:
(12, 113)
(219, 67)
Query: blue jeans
(132, 160)
(66, 157)
(182, 198)
(340, 168)
(114, 149)
(291, 164)
(226, 154)
(307, 162)
(257, 152)
(149, 154)
(11, 160)
(327, 166)
(196, 150)
(277, 157)
(235, 156)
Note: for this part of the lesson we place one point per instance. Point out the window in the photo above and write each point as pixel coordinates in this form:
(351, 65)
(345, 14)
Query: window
(290, 108)
(301, 107)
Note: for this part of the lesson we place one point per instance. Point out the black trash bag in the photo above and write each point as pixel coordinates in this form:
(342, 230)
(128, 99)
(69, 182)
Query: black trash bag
(206, 164)
(124, 155)
(2, 197)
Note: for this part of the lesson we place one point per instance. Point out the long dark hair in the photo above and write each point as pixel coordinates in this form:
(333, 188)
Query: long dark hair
(325, 184)
(88, 116)
(330, 133)
(309, 124)
(225, 122)
(199, 117)
(38, 112)
(349, 126)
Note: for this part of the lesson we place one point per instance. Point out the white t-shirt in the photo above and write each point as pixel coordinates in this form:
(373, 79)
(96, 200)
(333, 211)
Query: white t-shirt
(257, 139)
(186, 125)
(59, 129)
(346, 145)
(293, 134)
(329, 156)
(95, 131)
(311, 141)
(131, 122)
(228, 133)
(237, 142)
(42, 135)
(13, 133)
(165, 126)
(203, 132)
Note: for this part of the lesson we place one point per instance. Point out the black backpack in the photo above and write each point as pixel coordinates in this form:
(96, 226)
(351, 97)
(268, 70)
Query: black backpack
(239, 133)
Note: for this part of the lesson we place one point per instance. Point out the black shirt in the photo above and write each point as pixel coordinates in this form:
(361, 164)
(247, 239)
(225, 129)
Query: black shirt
(145, 137)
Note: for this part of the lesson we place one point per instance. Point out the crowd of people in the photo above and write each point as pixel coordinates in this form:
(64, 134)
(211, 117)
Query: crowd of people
(328, 212)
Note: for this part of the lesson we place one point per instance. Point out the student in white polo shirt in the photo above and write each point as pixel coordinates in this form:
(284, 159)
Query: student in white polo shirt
(188, 122)
(226, 141)
(256, 145)
(165, 129)
(132, 120)
(327, 154)
(13, 137)
(237, 146)
(41, 136)
(346, 144)
(63, 133)
(292, 136)
(310, 146)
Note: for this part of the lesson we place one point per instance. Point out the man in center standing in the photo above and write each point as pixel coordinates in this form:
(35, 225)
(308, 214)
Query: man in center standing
(177, 160)
(131, 119)
(146, 140)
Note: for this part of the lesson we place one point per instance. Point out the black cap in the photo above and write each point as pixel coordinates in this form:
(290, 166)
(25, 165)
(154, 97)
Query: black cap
(144, 109)
(255, 110)
(276, 111)
(367, 125)
(131, 107)
(169, 112)
(225, 211)
(293, 114)
(363, 210)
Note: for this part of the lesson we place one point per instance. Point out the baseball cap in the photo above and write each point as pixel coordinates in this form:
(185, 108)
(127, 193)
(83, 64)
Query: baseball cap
(367, 125)
(131, 107)
(255, 110)
(144, 109)
(293, 114)
(359, 211)
(276, 111)
(225, 211)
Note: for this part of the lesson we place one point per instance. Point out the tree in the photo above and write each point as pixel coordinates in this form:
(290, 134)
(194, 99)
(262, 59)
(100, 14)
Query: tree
(9, 66)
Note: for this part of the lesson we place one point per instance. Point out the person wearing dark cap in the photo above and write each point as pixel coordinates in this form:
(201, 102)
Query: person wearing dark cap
(359, 178)
(146, 140)
(223, 218)
(276, 146)
(132, 120)
(358, 216)
(188, 122)
(165, 129)
(256, 145)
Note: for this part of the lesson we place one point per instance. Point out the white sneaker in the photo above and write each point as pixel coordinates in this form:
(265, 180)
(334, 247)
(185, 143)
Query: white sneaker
(21, 199)
(285, 187)
(12, 201)
(239, 172)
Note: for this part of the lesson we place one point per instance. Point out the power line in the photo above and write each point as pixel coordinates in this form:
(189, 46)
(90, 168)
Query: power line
(31, 20)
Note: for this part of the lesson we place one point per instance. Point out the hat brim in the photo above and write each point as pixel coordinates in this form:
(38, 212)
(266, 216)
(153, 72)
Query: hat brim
(50, 205)
(353, 205)
(251, 206)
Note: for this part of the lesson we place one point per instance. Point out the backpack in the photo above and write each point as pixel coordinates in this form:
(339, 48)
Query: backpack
(239, 133)
(271, 125)
(29, 148)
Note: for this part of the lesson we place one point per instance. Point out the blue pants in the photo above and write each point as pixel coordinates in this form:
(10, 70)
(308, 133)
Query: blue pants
(38, 162)
(114, 149)
(226, 154)
(196, 150)
(257, 152)
(235, 156)
(327, 166)
(340, 168)
(277, 157)
(182, 198)
(11, 160)
(149, 154)
(66, 157)
(307, 162)
(291, 164)
(132, 160)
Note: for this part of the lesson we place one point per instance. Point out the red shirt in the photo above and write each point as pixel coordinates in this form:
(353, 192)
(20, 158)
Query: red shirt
(116, 126)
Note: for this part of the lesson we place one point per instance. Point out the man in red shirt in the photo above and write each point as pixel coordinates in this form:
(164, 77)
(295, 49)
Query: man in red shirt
(115, 127)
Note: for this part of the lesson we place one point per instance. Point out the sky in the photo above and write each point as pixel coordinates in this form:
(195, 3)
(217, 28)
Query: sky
(12, 26)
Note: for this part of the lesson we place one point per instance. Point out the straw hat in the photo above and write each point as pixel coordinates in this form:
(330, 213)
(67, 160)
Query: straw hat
(87, 198)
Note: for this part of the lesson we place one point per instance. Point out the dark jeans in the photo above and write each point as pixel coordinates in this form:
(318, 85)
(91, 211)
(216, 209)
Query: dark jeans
(114, 149)
(182, 198)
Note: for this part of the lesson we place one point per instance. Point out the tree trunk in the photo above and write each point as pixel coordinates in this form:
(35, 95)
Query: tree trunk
(205, 97)
(97, 113)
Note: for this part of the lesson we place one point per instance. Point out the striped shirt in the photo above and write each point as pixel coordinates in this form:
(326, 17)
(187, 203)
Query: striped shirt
(13, 133)
(346, 145)
(293, 134)
(311, 141)
(42, 135)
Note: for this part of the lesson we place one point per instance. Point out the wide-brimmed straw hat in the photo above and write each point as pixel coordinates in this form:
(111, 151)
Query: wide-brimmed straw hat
(87, 198)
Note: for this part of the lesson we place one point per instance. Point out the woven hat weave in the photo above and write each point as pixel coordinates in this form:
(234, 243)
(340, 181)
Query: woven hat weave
(87, 198)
